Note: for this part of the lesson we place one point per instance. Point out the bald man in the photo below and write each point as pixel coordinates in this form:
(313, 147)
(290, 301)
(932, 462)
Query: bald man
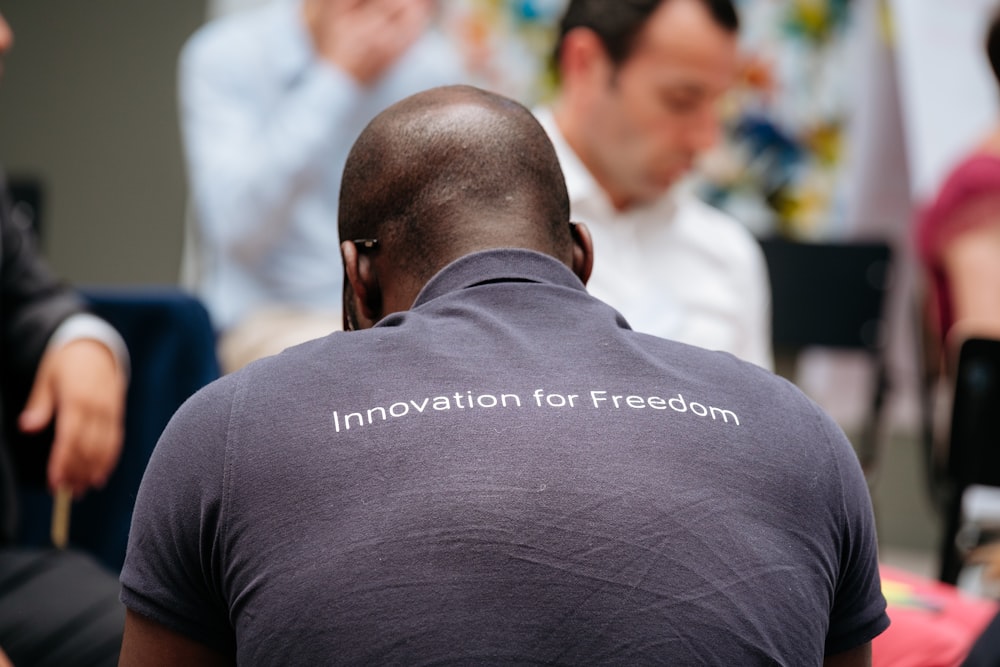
(493, 468)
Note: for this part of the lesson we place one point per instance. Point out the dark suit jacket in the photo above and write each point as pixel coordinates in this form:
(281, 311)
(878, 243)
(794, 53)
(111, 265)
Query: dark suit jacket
(32, 305)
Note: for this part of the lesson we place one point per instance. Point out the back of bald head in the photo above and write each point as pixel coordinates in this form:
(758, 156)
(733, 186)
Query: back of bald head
(450, 171)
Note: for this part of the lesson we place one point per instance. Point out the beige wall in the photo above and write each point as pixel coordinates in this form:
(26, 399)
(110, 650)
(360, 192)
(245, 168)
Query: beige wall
(87, 102)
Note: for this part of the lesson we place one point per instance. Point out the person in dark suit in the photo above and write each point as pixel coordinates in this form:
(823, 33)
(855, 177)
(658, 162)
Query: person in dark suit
(65, 369)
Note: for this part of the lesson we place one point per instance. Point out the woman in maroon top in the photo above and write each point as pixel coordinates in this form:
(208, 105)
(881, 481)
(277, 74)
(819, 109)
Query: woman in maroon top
(958, 238)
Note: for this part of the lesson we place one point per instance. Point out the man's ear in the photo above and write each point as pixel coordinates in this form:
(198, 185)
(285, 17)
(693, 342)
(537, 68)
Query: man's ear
(361, 287)
(582, 57)
(583, 251)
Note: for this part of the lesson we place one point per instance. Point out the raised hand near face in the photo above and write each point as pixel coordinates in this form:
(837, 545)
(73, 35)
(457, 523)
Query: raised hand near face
(365, 37)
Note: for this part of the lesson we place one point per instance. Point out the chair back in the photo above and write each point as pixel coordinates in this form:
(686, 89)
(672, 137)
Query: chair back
(827, 294)
(832, 295)
(974, 450)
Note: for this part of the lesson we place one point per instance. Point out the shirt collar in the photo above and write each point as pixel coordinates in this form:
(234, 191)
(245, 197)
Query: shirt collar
(499, 265)
(579, 182)
(585, 193)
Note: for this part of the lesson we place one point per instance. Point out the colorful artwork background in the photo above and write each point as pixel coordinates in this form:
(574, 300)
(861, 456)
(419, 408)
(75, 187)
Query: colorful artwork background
(777, 168)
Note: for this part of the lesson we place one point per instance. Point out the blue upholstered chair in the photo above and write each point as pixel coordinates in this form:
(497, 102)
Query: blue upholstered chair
(172, 348)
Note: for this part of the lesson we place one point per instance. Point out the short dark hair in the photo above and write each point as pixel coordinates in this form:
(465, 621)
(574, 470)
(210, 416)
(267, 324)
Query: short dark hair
(451, 168)
(993, 44)
(618, 22)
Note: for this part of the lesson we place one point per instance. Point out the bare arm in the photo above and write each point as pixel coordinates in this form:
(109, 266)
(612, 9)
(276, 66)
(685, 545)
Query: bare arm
(856, 657)
(147, 643)
(972, 261)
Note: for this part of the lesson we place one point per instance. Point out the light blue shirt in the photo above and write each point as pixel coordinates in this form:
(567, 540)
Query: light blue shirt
(267, 126)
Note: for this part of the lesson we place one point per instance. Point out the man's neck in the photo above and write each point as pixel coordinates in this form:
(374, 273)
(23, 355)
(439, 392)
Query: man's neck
(571, 132)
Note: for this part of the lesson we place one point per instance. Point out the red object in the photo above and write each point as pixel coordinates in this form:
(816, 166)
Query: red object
(933, 624)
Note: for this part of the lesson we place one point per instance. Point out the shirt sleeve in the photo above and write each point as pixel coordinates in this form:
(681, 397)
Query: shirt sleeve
(86, 326)
(33, 303)
(173, 571)
(255, 138)
(859, 608)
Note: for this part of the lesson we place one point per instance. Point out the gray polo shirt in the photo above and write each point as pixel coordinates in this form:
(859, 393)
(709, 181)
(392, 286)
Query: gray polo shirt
(507, 474)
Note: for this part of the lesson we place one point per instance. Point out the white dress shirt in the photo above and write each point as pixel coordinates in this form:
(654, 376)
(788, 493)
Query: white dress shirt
(676, 268)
